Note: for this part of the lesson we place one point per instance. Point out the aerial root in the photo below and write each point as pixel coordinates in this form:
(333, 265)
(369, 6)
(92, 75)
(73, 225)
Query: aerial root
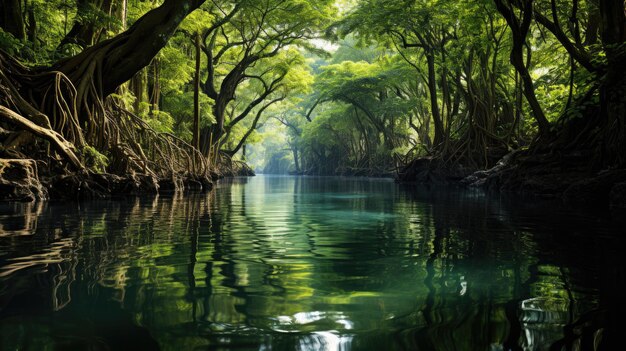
(64, 147)
(72, 117)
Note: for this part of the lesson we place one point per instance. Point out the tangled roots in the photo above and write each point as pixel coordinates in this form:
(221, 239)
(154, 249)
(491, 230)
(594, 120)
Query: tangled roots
(40, 108)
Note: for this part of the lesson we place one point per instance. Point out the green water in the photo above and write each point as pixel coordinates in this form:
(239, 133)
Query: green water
(293, 263)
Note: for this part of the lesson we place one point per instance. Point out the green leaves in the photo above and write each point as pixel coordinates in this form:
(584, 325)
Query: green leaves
(197, 21)
(177, 69)
(94, 160)
(9, 43)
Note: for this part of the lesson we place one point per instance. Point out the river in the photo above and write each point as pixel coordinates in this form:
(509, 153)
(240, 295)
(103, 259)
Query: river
(306, 263)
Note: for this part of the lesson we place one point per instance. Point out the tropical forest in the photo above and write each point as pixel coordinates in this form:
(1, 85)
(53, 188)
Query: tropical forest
(312, 175)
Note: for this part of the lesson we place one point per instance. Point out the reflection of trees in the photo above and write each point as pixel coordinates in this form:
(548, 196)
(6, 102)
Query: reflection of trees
(19, 218)
(91, 251)
(273, 262)
(530, 295)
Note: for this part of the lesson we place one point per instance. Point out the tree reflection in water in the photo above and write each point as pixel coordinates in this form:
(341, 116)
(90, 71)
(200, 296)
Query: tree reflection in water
(306, 264)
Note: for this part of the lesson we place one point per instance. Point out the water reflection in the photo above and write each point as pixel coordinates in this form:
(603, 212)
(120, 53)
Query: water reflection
(289, 263)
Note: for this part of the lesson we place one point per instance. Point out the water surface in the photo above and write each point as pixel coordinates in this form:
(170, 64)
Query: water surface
(299, 263)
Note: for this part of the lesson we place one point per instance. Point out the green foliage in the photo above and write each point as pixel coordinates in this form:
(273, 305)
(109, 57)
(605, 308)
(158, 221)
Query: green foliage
(94, 160)
(197, 21)
(160, 121)
(9, 43)
(177, 69)
(270, 155)
(553, 98)
(125, 98)
(180, 104)
(344, 83)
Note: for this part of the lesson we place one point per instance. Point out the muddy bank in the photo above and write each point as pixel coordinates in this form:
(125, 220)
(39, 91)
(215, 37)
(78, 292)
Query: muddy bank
(570, 182)
(554, 176)
(21, 181)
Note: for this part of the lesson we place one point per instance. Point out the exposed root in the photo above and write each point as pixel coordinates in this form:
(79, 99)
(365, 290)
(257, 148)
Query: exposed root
(148, 151)
(232, 168)
(64, 147)
(48, 106)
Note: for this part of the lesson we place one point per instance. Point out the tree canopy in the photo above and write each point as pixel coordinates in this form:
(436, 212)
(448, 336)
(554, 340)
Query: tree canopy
(352, 87)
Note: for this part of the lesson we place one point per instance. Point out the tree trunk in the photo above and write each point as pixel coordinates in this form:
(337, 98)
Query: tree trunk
(196, 97)
(529, 93)
(119, 58)
(613, 89)
(593, 22)
(12, 19)
(434, 104)
(138, 87)
(613, 23)
(154, 85)
(121, 11)
(224, 97)
(519, 31)
(84, 32)
(294, 149)
(31, 27)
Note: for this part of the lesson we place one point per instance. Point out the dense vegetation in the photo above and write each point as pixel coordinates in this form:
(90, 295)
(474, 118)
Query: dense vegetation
(432, 89)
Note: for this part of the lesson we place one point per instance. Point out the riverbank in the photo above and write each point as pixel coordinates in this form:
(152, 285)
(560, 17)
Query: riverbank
(20, 181)
(552, 176)
(517, 172)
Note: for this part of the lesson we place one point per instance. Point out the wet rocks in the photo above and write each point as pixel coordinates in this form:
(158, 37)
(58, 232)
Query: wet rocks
(483, 178)
(104, 185)
(197, 184)
(111, 183)
(433, 170)
(189, 183)
(19, 181)
(94, 186)
(549, 176)
(171, 184)
(80, 186)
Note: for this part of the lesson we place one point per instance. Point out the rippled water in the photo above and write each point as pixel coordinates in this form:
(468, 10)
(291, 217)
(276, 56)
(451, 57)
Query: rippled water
(292, 263)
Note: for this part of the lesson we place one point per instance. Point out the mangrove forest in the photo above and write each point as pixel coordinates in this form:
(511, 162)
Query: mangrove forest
(312, 175)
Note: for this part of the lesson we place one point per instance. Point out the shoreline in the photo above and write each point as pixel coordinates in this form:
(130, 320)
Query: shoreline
(20, 182)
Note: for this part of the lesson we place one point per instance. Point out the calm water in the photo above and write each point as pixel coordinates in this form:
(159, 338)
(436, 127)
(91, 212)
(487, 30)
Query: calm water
(291, 263)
